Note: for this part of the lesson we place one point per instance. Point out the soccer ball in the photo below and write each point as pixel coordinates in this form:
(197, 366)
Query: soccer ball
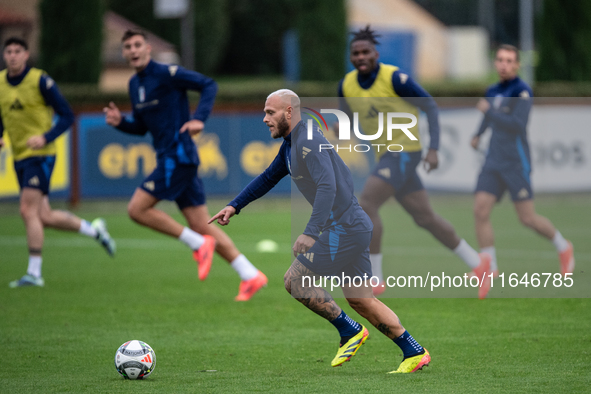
(135, 360)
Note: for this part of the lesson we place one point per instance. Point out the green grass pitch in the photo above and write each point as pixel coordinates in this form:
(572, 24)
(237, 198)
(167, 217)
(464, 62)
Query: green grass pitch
(63, 337)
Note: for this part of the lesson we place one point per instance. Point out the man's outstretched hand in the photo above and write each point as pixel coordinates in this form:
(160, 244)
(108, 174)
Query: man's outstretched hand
(223, 216)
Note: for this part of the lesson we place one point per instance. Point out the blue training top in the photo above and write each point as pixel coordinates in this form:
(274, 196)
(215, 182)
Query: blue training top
(320, 175)
(511, 103)
(410, 91)
(158, 95)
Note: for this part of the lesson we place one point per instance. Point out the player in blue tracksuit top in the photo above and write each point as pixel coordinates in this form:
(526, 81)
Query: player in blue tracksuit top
(336, 239)
(158, 94)
(508, 165)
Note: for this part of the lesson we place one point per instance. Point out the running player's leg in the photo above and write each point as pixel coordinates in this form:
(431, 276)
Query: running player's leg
(384, 182)
(327, 260)
(414, 199)
(489, 190)
(484, 203)
(57, 219)
(518, 183)
(252, 280)
(191, 202)
(361, 299)
(529, 218)
(298, 281)
(30, 205)
(168, 181)
(141, 209)
(33, 178)
(543, 226)
(30, 201)
(417, 204)
(411, 194)
(197, 217)
(67, 221)
(375, 193)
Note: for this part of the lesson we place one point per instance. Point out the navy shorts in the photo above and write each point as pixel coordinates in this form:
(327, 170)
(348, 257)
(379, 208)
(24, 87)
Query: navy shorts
(174, 182)
(35, 172)
(399, 169)
(495, 182)
(337, 253)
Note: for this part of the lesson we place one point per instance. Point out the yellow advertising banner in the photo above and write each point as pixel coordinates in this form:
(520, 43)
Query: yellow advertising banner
(60, 179)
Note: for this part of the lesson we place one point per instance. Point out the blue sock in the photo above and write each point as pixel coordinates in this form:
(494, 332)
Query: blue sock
(347, 327)
(408, 345)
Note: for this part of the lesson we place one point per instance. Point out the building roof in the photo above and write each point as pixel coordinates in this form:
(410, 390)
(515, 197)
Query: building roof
(11, 18)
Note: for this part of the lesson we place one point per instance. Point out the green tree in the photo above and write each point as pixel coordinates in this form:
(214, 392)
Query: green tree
(322, 28)
(212, 26)
(71, 39)
(564, 33)
(257, 28)
(245, 37)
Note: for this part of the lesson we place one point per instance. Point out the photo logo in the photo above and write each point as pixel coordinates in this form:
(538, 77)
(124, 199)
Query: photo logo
(315, 115)
(344, 131)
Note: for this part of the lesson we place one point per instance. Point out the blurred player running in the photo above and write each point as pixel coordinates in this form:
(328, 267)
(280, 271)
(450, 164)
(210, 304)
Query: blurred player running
(26, 95)
(158, 94)
(395, 174)
(336, 240)
(508, 165)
